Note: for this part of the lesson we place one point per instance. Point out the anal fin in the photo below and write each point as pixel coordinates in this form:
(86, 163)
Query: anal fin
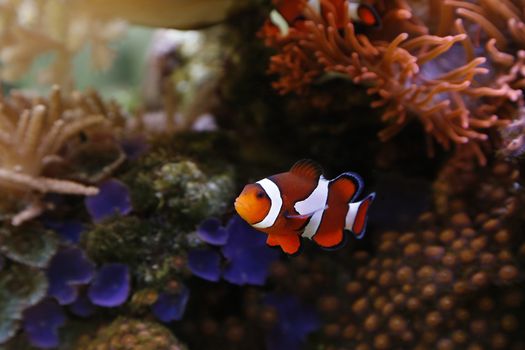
(329, 238)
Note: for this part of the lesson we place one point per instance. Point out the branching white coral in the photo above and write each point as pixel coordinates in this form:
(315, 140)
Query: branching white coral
(59, 28)
(33, 132)
(31, 28)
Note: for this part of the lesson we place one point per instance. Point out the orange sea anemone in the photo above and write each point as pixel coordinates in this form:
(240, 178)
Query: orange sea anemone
(436, 79)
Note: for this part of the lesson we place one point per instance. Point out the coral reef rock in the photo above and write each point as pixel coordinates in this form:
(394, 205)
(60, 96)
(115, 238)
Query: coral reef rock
(130, 334)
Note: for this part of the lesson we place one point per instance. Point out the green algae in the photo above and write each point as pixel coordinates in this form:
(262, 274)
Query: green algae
(188, 194)
(154, 178)
(119, 239)
(27, 249)
(29, 244)
(148, 248)
(177, 185)
(20, 287)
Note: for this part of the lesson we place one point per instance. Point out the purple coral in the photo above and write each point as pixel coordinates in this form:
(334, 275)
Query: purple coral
(82, 306)
(247, 253)
(110, 287)
(68, 230)
(113, 198)
(205, 263)
(211, 231)
(134, 146)
(169, 307)
(68, 269)
(244, 248)
(41, 323)
(295, 322)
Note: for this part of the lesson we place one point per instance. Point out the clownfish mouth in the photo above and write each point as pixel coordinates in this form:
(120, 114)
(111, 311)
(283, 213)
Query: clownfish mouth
(241, 208)
(238, 204)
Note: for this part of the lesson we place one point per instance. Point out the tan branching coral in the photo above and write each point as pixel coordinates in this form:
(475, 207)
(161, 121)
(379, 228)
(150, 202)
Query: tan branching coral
(58, 29)
(30, 29)
(33, 133)
(435, 79)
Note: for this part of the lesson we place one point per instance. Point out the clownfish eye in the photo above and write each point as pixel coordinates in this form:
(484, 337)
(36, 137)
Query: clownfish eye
(260, 194)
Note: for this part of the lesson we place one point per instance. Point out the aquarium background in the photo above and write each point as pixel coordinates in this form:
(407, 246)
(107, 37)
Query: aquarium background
(129, 127)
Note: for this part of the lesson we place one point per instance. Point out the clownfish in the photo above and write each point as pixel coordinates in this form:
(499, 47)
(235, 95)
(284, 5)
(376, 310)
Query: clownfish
(302, 203)
(290, 11)
(364, 14)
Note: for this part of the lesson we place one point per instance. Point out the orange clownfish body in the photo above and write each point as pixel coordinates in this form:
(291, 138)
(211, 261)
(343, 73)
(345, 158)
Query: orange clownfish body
(302, 203)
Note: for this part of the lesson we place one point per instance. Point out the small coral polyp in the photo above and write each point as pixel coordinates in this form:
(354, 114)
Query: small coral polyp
(33, 135)
(412, 74)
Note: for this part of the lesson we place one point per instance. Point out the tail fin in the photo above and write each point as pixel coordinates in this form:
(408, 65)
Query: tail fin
(357, 216)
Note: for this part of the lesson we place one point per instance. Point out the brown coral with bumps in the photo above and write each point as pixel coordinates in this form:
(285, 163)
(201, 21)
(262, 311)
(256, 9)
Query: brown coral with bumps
(34, 133)
(411, 74)
(453, 282)
(128, 334)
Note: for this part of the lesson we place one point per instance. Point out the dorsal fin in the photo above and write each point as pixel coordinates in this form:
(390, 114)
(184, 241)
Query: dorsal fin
(307, 168)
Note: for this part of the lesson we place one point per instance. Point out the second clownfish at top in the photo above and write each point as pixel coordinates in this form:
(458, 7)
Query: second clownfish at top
(302, 203)
(289, 12)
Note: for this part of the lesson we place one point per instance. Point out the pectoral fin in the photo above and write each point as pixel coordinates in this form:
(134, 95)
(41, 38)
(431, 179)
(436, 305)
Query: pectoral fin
(272, 241)
(289, 243)
(297, 221)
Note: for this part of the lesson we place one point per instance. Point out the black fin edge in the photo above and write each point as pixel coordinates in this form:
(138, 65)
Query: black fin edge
(358, 180)
(339, 245)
